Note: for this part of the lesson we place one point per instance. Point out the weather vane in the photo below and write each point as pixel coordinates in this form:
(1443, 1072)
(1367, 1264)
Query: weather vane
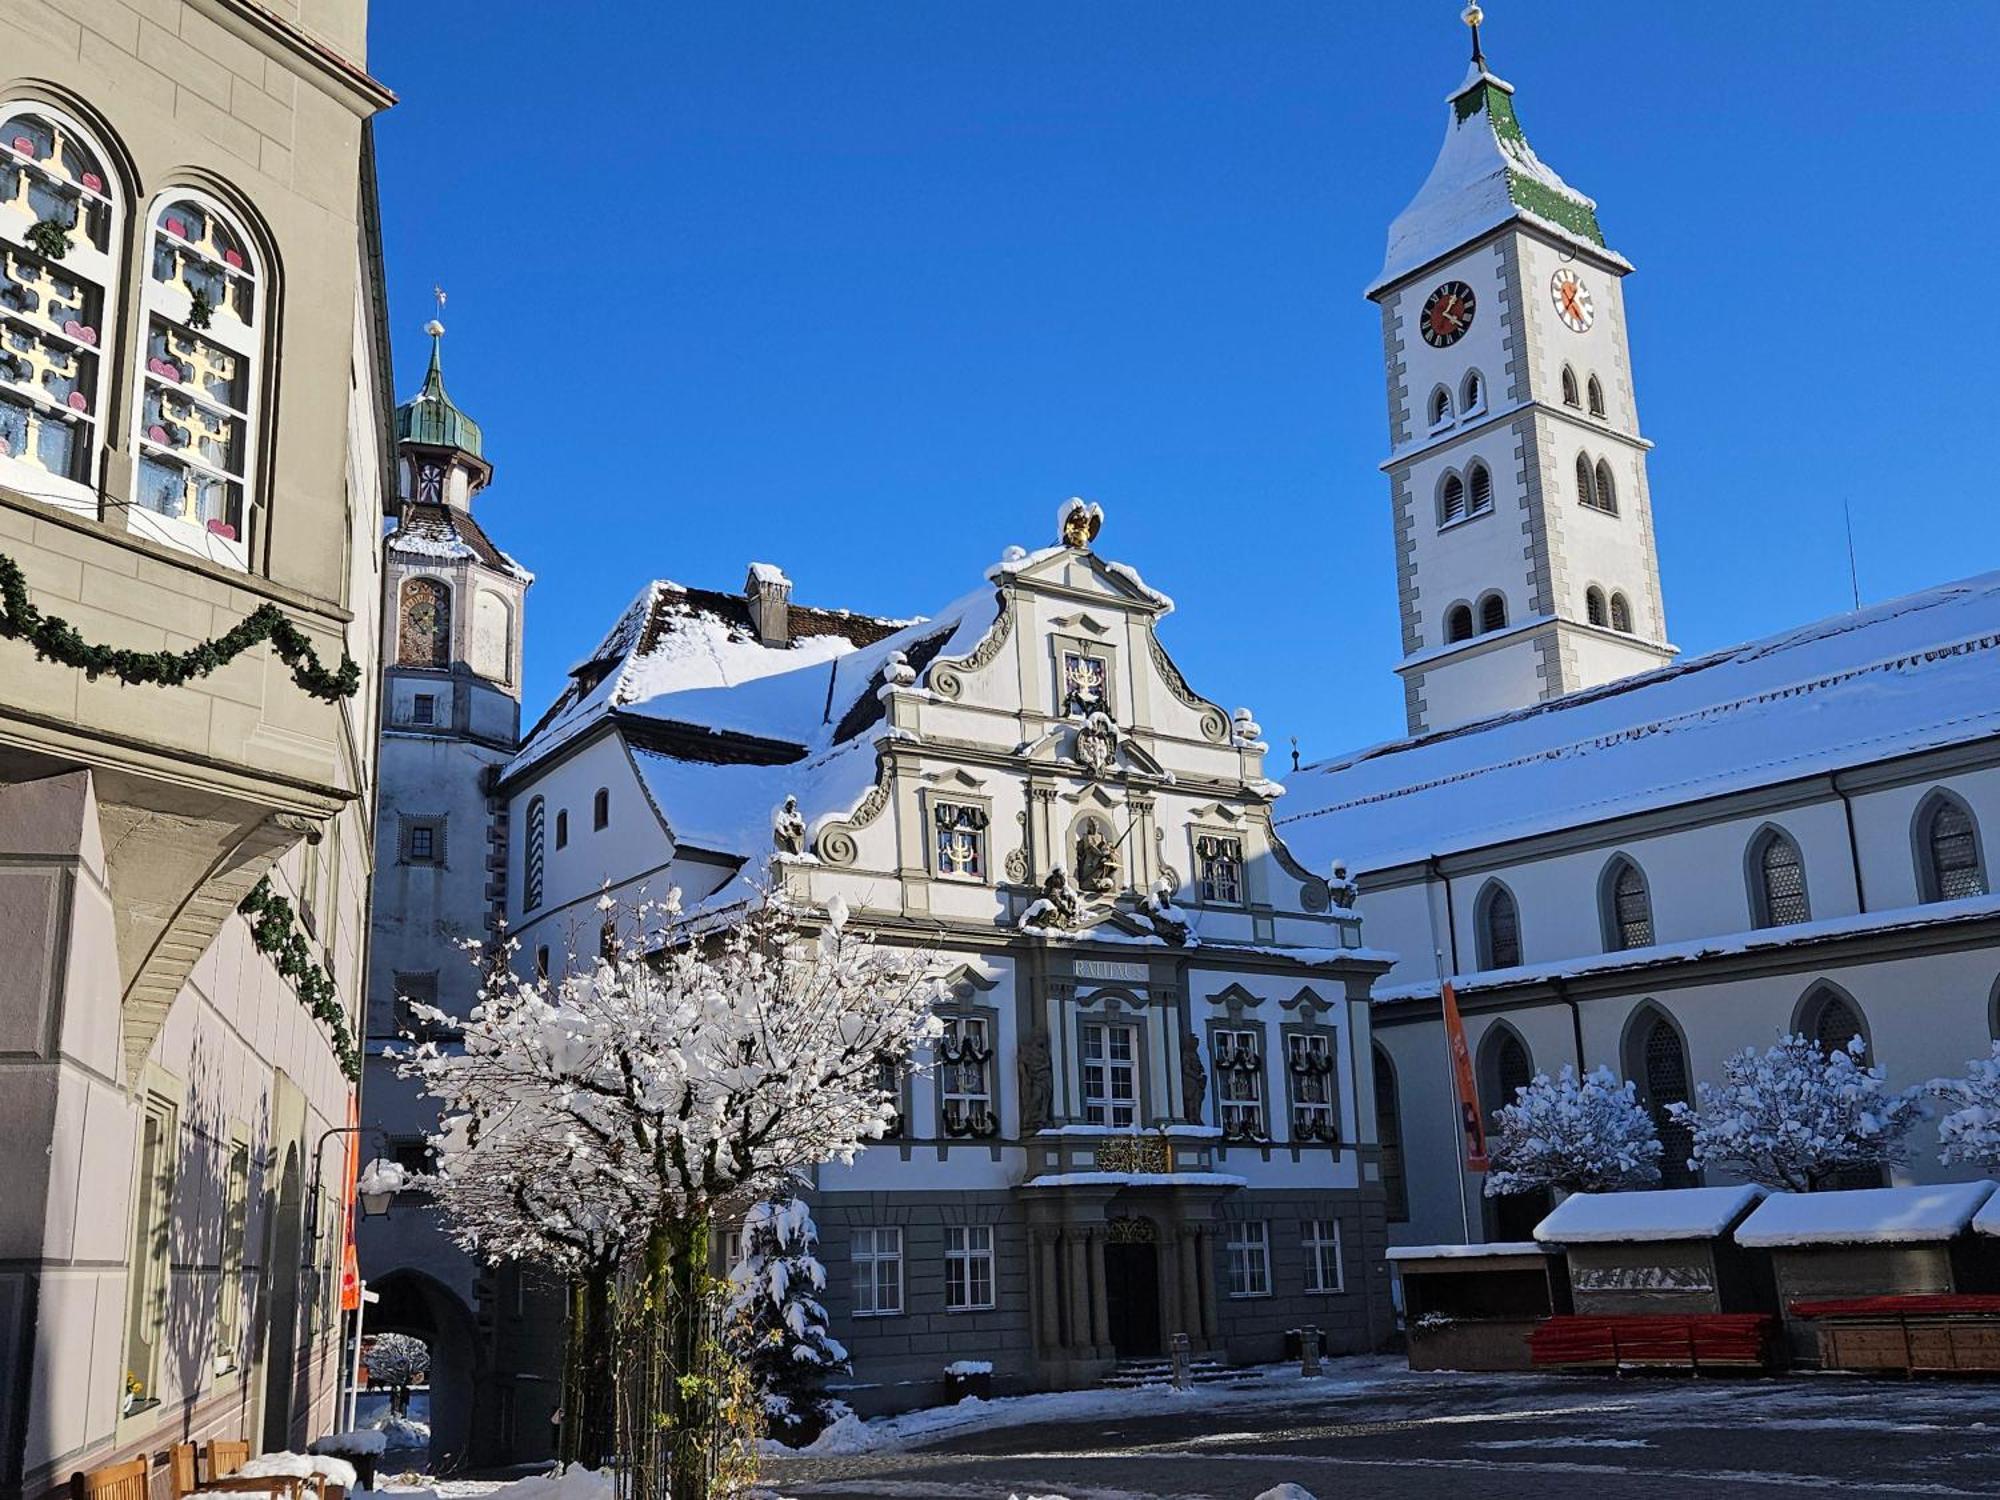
(435, 328)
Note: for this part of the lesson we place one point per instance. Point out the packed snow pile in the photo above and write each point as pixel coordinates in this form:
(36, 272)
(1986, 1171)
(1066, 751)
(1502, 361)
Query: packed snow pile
(572, 1483)
(1699, 1213)
(400, 1431)
(964, 1367)
(278, 1466)
(1467, 1252)
(363, 1442)
(1865, 1216)
(1286, 1491)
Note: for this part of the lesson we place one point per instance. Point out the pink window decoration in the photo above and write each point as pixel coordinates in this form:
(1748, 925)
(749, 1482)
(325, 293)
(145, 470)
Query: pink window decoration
(79, 332)
(92, 181)
(157, 434)
(166, 369)
(78, 401)
(222, 529)
(234, 257)
(175, 226)
(23, 145)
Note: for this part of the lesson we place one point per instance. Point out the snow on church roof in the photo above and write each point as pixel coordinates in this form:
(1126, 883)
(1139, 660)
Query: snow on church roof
(1864, 1216)
(1699, 1213)
(1911, 674)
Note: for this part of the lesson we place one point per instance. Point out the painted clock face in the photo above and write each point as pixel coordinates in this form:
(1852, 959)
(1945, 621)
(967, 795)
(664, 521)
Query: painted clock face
(1447, 314)
(1572, 300)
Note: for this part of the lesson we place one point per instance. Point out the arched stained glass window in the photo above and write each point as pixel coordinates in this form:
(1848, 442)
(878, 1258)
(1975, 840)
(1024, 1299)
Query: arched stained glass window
(1389, 1138)
(1779, 873)
(1499, 928)
(1950, 868)
(1628, 907)
(423, 637)
(1664, 1074)
(59, 281)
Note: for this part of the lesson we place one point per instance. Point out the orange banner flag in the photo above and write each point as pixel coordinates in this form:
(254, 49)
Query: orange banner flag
(350, 1263)
(1462, 1082)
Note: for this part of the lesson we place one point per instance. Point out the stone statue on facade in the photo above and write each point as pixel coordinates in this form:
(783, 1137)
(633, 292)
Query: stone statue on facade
(1097, 743)
(1080, 521)
(1037, 1082)
(1194, 1079)
(1341, 888)
(1057, 906)
(1096, 861)
(788, 828)
(1158, 905)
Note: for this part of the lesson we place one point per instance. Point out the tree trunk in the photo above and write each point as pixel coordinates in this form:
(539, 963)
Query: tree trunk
(692, 1417)
(587, 1388)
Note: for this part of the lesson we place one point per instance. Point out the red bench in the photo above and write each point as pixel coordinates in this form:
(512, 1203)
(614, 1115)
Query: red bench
(1682, 1341)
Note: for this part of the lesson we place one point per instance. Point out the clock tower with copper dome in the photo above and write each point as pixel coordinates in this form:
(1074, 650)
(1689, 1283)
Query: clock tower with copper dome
(1524, 527)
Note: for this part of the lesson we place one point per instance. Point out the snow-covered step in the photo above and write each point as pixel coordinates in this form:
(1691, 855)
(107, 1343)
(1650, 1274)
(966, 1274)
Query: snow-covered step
(1136, 1372)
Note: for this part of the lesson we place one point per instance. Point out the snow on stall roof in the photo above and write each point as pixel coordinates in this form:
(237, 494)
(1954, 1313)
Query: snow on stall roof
(1865, 1216)
(1987, 1220)
(1906, 675)
(1699, 1213)
(1468, 1252)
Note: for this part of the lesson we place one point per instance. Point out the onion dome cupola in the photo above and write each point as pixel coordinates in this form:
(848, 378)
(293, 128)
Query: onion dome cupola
(439, 449)
(1486, 175)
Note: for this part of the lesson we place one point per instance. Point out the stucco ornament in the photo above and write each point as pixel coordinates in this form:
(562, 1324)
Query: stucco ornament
(1037, 1082)
(1194, 1080)
(1096, 860)
(788, 828)
(1341, 889)
(1080, 521)
(1097, 743)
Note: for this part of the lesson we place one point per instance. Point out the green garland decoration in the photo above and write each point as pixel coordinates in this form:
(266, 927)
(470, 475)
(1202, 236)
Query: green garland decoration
(55, 639)
(273, 932)
(48, 238)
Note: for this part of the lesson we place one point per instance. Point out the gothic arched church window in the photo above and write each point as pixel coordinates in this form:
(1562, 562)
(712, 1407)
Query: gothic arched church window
(1451, 500)
(1948, 850)
(423, 637)
(1480, 483)
(1586, 485)
(1780, 880)
(1499, 928)
(1607, 492)
(1628, 907)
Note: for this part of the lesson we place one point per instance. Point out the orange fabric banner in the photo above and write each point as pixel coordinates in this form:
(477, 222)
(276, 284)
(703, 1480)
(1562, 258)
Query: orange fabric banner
(350, 1263)
(1463, 1084)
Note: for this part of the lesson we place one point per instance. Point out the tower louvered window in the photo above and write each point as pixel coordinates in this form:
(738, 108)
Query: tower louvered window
(1607, 493)
(1481, 490)
(1596, 398)
(1458, 623)
(1569, 387)
(1451, 505)
(1586, 485)
(1474, 395)
(1621, 614)
(1440, 407)
(1593, 605)
(1493, 613)
(531, 862)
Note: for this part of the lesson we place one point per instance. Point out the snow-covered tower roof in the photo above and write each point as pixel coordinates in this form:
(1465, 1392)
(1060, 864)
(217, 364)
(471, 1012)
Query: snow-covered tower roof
(1486, 175)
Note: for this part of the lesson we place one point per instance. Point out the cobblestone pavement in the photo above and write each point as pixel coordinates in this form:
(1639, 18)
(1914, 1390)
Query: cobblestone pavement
(1402, 1435)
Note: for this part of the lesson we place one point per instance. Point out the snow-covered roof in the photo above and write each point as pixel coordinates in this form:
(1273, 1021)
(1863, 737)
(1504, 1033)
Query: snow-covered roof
(1699, 1213)
(1865, 1216)
(1486, 175)
(1911, 674)
(1987, 1220)
(448, 534)
(1467, 1252)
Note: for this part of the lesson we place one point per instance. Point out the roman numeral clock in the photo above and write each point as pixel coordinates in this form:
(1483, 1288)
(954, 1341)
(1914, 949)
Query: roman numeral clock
(1448, 314)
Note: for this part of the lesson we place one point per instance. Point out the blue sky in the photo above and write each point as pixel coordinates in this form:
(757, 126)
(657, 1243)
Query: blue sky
(865, 289)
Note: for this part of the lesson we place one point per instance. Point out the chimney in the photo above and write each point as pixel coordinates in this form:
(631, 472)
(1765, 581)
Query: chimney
(769, 594)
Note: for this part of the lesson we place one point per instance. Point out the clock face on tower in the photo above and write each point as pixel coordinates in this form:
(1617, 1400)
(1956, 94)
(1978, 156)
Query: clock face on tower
(1447, 314)
(1572, 300)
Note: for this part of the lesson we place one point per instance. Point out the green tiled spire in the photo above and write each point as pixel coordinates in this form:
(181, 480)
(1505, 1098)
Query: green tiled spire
(1488, 101)
(430, 417)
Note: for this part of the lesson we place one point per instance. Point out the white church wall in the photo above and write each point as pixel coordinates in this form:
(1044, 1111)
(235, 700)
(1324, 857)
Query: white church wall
(1481, 684)
(1884, 829)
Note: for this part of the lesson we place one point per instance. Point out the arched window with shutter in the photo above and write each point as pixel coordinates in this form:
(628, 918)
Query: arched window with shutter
(1451, 500)
(1593, 605)
(1607, 492)
(1472, 395)
(1440, 407)
(1479, 486)
(1493, 612)
(1569, 387)
(1596, 398)
(1627, 906)
(1656, 1059)
(60, 237)
(1498, 927)
(1389, 1138)
(1777, 880)
(1949, 866)
(1458, 623)
(1621, 614)
(203, 315)
(423, 631)
(1586, 486)
(532, 857)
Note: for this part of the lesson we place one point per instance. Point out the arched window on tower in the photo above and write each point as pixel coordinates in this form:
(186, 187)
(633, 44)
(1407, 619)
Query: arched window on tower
(1607, 493)
(202, 315)
(1596, 397)
(1777, 880)
(1621, 614)
(1440, 407)
(1628, 907)
(1498, 927)
(1458, 623)
(600, 810)
(423, 634)
(1479, 484)
(1593, 606)
(1472, 395)
(1389, 1139)
(1586, 486)
(1570, 397)
(1493, 613)
(1451, 500)
(1656, 1059)
(532, 859)
(59, 281)
(1948, 864)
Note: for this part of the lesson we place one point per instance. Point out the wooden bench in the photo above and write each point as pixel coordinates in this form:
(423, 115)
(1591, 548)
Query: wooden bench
(1937, 1333)
(1683, 1341)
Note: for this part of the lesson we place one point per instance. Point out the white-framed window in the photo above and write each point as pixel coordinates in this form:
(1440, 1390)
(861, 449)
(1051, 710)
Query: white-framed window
(1250, 1259)
(1110, 1074)
(196, 417)
(235, 1237)
(1309, 1064)
(965, 1076)
(968, 1267)
(1239, 1083)
(1086, 682)
(151, 1268)
(878, 1272)
(1219, 863)
(961, 839)
(1322, 1246)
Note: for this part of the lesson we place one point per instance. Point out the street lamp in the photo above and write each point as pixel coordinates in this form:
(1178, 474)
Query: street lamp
(378, 1185)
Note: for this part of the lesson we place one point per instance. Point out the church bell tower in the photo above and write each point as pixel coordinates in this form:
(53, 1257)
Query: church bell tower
(1525, 564)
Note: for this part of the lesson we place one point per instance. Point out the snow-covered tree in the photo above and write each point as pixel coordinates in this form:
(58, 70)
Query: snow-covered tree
(1796, 1116)
(1587, 1137)
(1970, 1131)
(399, 1362)
(686, 1068)
(776, 1321)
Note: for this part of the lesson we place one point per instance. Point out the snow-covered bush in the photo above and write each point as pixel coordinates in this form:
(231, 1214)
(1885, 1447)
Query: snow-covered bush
(1587, 1137)
(1796, 1116)
(399, 1362)
(776, 1321)
(1970, 1131)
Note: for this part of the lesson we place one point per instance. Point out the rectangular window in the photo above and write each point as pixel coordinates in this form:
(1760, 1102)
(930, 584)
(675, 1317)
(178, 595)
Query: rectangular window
(1309, 1065)
(965, 1076)
(1221, 869)
(878, 1273)
(423, 844)
(1239, 1074)
(235, 1231)
(889, 1079)
(1250, 1259)
(147, 1272)
(968, 1268)
(1322, 1247)
(412, 991)
(413, 1154)
(1084, 679)
(961, 839)
(423, 709)
(1110, 1075)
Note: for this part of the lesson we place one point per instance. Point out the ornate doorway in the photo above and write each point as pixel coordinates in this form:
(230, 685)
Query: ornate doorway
(1132, 1288)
